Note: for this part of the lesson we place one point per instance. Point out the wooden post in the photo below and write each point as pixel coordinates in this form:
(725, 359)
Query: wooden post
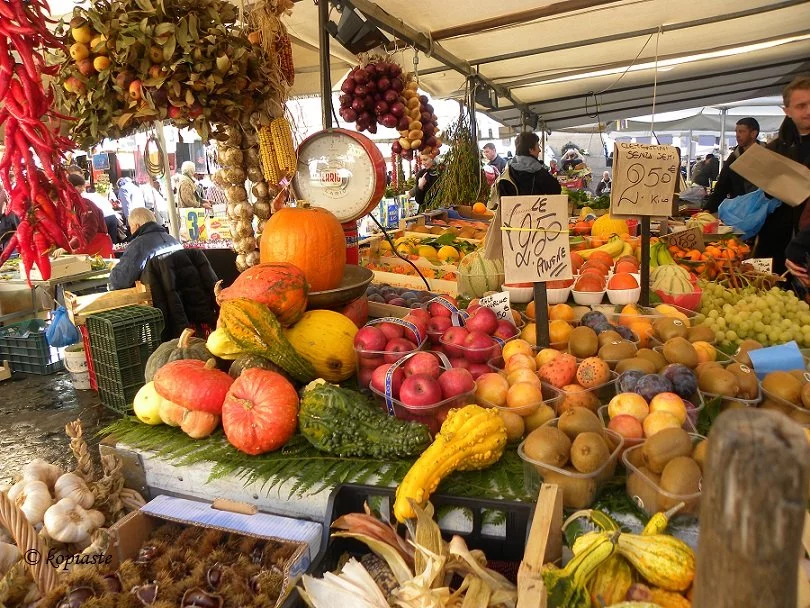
(755, 491)
(543, 545)
(645, 260)
(541, 315)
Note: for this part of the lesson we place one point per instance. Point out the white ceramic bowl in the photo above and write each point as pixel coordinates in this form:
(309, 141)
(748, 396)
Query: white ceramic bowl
(588, 298)
(519, 295)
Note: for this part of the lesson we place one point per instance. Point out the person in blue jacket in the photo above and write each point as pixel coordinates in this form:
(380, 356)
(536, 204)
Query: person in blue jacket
(148, 240)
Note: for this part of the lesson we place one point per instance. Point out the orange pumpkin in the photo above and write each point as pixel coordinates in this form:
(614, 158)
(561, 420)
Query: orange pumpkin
(312, 239)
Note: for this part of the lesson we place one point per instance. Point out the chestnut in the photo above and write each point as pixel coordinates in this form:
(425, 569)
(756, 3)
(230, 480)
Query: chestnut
(146, 594)
(76, 597)
(112, 582)
(201, 599)
(146, 554)
(214, 576)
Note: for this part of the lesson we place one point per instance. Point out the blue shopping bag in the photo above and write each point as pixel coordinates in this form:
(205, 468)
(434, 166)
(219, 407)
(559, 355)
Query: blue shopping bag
(61, 331)
(747, 212)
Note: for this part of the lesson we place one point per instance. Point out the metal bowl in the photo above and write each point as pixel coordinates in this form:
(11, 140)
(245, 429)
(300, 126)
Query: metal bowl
(354, 284)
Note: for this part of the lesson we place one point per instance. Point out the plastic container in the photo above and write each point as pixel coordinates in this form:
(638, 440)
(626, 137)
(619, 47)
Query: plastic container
(76, 364)
(652, 499)
(25, 346)
(720, 357)
(614, 312)
(590, 398)
(558, 296)
(549, 394)
(588, 298)
(796, 412)
(519, 295)
(579, 489)
(690, 425)
(91, 372)
(732, 402)
(372, 359)
(472, 354)
(121, 341)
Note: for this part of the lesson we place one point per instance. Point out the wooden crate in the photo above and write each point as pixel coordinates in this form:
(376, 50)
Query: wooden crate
(5, 371)
(65, 266)
(79, 307)
(544, 545)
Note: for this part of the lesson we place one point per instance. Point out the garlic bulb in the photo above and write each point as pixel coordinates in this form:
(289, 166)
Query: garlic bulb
(32, 497)
(40, 470)
(252, 258)
(241, 262)
(260, 190)
(236, 194)
(72, 486)
(9, 555)
(255, 174)
(68, 522)
(233, 211)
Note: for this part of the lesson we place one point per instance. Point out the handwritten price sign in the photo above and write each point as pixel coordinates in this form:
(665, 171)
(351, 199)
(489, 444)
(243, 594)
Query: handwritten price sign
(691, 238)
(535, 238)
(644, 179)
(499, 303)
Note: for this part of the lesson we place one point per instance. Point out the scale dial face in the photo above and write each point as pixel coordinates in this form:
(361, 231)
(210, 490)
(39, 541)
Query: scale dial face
(341, 171)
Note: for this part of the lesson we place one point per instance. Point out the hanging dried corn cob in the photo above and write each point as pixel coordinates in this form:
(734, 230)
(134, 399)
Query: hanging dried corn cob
(271, 170)
(284, 147)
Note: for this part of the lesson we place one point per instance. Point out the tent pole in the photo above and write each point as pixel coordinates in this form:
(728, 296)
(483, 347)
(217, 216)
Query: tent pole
(174, 218)
(723, 114)
(326, 68)
(689, 157)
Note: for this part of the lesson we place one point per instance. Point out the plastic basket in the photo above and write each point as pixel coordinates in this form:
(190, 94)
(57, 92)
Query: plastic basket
(121, 341)
(25, 346)
(90, 369)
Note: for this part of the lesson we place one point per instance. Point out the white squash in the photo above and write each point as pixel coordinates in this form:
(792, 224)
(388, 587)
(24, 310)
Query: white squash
(40, 470)
(72, 486)
(33, 498)
(67, 522)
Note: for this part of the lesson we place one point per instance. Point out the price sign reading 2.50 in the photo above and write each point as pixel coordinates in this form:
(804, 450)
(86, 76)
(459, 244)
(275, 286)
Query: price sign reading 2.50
(535, 238)
(644, 179)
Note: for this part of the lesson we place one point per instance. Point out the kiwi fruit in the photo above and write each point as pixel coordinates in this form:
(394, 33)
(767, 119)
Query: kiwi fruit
(719, 382)
(618, 350)
(700, 333)
(746, 346)
(641, 491)
(747, 381)
(706, 366)
(667, 328)
(805, 395)
(801, 416)
(664, 446)
(635, 456)
(578, 492)
(589, 452)
(699, 453)
(583, 342)
(680, 350)
(638, 363)
(799, 374)
(578, 420)
(548, 445)
(682, 475)
(654, 357)
(783, 385)
(776, 406)
(608, 336)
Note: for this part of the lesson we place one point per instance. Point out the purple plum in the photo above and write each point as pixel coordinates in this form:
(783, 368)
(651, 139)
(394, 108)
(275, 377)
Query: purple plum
(683, 379)
(627, 381)
(650, 385)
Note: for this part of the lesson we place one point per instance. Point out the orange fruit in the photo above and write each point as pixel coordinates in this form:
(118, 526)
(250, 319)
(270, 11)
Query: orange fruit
(561, 312)
(559, 331)
(622, 280)
(630, 314)
(530, 310)
(479, 208)
(643, 330)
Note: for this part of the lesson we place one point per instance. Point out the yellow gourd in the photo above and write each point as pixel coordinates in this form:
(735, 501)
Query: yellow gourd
(665, 561)
(669, 599)
(611, 581)
(325, 338)
(606, 225)
(471, 438)
(220, 345)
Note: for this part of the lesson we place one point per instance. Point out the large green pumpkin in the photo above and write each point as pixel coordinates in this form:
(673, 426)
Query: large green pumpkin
(184, 347)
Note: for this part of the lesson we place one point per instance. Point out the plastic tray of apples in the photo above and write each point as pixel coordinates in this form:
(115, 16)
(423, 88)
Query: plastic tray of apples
(579, 489)
(385, 341)
(423, 387)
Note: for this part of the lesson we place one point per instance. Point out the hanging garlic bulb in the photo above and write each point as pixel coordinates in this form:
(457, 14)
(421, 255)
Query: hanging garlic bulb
(72, 486)
(262, 209)
(241, 262)
(238, 159)
(33, 498)
(68, 522)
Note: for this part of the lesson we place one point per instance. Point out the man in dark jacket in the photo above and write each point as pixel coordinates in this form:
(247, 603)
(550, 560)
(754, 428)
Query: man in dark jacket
(148, 240)
(493, 158)
(794, 143)
(729, 183)
(525, 174)
(706, 171)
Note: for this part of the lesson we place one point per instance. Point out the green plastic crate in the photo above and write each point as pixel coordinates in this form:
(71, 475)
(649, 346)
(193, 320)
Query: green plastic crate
(25, 346)
(121, 341)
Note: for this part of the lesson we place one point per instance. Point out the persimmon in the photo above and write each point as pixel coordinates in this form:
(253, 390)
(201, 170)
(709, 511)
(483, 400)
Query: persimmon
(622, 280)
(602, 256)
(590, 282)
(576, 262)
(625, 266)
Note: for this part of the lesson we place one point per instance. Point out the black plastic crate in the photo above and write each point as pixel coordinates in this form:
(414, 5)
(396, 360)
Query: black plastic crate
(121, 341)
(25, 346)
(504, 553)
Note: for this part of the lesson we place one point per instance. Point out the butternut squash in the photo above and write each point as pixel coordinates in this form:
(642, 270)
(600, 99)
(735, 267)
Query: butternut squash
(471, 438)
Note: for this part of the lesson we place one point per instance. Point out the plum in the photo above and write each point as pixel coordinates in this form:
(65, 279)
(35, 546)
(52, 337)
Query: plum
(409, 294)
(600, 327)
(650, 385)
(398, 302)
(375, 297)
(625, 333)
(683, 379)
(593, 319)
(627, 381)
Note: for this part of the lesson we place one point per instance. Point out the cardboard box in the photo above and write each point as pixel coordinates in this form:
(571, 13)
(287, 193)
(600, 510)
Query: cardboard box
(64, 266)
(128, 534)
(15, 298)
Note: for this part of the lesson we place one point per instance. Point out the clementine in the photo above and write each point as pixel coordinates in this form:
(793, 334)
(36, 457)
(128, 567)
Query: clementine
(562, 312)
(622, 280)
(530, 307)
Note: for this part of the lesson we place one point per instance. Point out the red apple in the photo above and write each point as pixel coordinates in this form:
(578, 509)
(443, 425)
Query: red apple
(368, 361)
(378, 379)
(453, 341)
(397, 348)
(459, 362)
(472, 308)
(365, 375)
(420, 390)
(439, 325)
(422, 363)
(421, 327)
(478, 347)
(391, 330)
(505, 330)
(479, 369)
(135, 90)
(456, 381)
(439, 310)
(370, 338)
(483, 320)
(420, 313)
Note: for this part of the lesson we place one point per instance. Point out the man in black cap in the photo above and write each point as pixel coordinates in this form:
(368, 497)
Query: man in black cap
(729, 183)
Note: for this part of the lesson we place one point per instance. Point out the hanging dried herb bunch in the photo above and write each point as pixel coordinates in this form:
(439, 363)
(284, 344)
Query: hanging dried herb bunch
(460, 173)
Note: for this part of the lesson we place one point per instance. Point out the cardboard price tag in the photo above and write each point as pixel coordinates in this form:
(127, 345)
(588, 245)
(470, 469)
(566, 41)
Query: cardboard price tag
(500, 305)
(762, 264)
(535, 238)
(644, 179)
(691, 238)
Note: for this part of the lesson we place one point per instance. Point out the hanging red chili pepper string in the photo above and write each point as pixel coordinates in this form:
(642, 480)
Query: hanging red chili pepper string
(39, 193)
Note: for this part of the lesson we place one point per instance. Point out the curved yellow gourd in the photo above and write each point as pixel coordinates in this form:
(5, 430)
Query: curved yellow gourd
(471, 438)
(663, 560)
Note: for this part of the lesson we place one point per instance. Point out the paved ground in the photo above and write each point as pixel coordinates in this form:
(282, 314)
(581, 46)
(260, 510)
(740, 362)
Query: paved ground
(33, 413)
